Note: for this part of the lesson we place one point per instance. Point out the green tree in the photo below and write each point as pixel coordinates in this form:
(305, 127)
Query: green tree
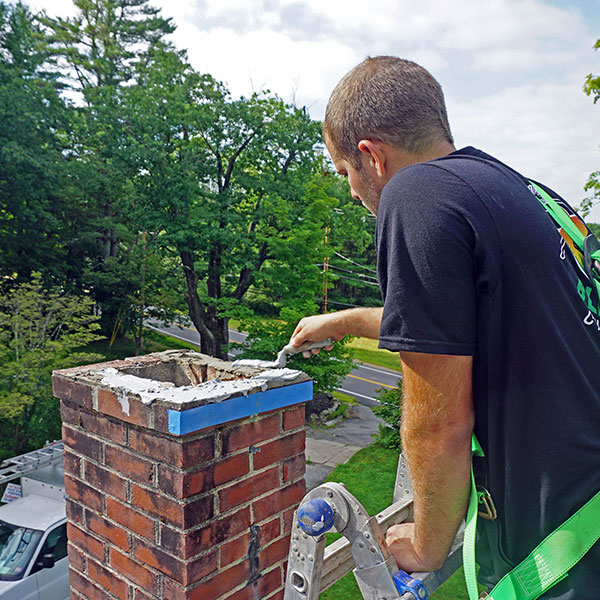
(96, 53)
(40, 330)
(592, 88)
(229, 187)
(267, 337)
(35, 210)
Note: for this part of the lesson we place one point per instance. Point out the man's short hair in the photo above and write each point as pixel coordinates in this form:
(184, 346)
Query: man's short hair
(388, 99)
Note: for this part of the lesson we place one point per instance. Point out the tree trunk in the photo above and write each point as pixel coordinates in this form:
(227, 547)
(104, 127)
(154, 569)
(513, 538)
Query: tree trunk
(213, 329)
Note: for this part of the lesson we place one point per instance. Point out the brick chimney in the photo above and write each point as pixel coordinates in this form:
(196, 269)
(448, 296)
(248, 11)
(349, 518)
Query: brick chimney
(182, 474)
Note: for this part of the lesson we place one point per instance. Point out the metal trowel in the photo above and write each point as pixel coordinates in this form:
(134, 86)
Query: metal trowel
(281, 360)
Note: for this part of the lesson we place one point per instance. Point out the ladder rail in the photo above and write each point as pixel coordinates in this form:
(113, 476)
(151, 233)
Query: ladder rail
(312, 568)
(17, 466)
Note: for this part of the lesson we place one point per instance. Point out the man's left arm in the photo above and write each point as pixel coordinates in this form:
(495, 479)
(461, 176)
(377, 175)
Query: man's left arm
(437, 423)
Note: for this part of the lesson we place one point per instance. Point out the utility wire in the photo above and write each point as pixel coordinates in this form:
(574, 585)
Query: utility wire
(349, 272)
(358, 280)
(355, 263)
(345, 304)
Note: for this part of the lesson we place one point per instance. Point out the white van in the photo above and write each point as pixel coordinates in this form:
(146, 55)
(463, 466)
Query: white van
(33, 529)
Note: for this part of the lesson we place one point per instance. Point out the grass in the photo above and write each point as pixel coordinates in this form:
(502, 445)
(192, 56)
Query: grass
(347, 399)
(375, 492)
(366, 350)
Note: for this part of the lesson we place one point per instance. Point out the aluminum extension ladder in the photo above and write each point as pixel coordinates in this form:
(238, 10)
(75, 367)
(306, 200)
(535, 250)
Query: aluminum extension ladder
(312, 568)
(15, 467)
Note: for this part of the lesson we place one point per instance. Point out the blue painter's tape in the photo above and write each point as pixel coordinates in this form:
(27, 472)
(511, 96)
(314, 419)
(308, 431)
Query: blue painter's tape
(200, 417)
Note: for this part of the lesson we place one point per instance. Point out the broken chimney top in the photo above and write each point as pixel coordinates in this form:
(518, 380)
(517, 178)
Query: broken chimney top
(181, 391)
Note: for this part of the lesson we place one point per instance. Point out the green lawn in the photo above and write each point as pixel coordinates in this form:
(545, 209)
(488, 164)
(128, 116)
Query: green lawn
(366, 350)
(370, 475)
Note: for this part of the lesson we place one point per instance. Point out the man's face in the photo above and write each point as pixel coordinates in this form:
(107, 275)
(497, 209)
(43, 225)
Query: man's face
(363, 186)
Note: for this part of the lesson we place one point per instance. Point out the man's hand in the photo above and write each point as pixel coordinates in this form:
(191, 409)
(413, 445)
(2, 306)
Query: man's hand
(317, 328)
(363, 322)
(399, 539)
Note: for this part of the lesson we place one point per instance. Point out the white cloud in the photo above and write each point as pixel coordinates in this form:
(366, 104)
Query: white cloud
(549, 132)
(512, 69)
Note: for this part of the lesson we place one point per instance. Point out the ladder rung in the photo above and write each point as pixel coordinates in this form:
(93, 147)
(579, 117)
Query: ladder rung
(11, 468)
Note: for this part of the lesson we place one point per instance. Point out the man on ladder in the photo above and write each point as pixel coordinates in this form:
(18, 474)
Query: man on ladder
(495, 312)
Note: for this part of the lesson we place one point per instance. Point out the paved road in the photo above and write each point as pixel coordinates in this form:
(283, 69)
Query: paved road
(363, 382)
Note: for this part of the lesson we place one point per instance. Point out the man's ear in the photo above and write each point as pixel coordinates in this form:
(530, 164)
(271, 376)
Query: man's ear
(375, 153)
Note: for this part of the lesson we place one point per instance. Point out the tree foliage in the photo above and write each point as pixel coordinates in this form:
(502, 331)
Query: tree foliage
(34, 207)
(267, 337)
(390, 410)
(134, 183)
(40, 330)
(95, 54)
(592, 88)
(228, 186)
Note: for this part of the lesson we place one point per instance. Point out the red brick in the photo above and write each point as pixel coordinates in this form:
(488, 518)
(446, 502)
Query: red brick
(263, 586)
(86, 542)
(76, 557)
(134, 467)
(134, 571)
(114, 534)
(274, 552)
(85, 587)
(178, 514)
(199, 540)
(183, 485)
(157, 505)
(130, 518)
(82, 443)
(161, 561)
(139, 595)
(74, 511)
(107, 579)
(221, 583)
(231, 468)
(279, 449)
(184, 572)
(247, 434)
(173, 591)
(293, 468)
(78, 393)
(235, 549)
(248, 489)
(109, 405)
(108, 482)
(287, 497)
(178, 453)
(81, 492)
(294, 418)
(93, 422)
(269, 531)
(72, 463)
(278, 596)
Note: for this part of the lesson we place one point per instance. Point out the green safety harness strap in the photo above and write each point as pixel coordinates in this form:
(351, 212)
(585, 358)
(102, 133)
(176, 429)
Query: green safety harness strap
(547, 564)
(588, 244)
(550, 561)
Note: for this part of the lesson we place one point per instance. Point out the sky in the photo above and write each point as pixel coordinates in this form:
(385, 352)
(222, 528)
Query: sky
(512, 70)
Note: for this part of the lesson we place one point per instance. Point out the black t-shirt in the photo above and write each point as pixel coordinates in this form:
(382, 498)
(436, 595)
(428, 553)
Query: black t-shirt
(469, 263)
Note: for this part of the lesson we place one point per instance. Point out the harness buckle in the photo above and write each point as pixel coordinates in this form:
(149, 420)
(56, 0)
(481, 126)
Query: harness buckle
(487, 507)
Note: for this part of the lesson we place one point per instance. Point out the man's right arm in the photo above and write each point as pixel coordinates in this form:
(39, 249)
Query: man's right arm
(362, 322)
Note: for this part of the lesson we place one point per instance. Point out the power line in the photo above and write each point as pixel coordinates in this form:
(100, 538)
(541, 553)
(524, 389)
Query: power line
(355, 263)
(357, 280)
(349, 272)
